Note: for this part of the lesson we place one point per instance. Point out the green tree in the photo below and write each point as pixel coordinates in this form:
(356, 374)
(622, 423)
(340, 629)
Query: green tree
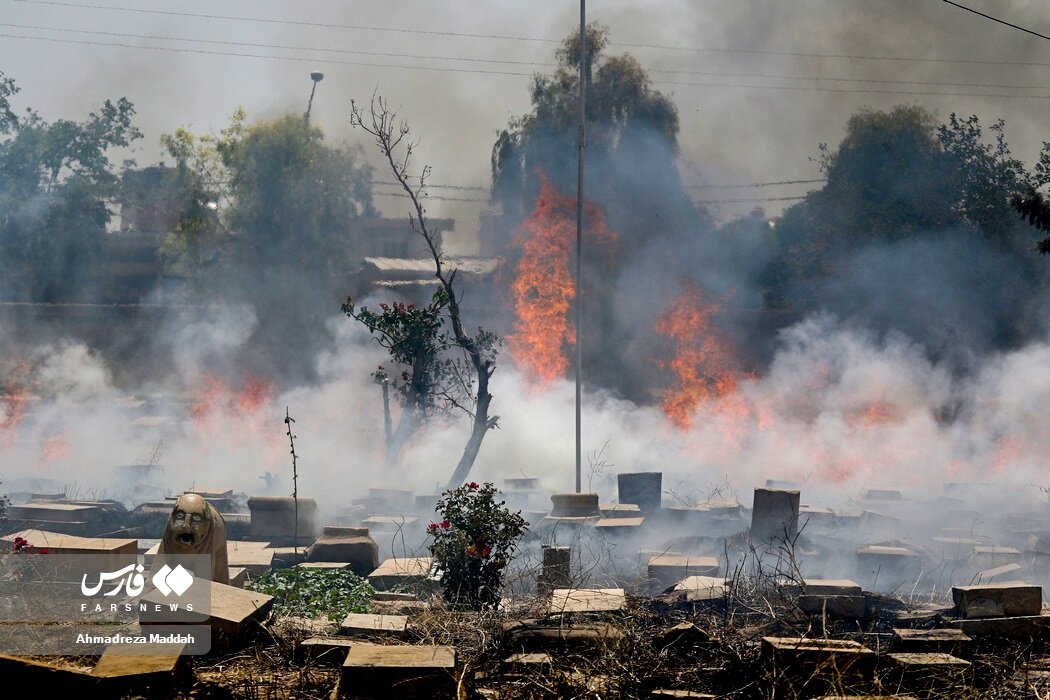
(56, 187)
(287, 203)
(632, 138)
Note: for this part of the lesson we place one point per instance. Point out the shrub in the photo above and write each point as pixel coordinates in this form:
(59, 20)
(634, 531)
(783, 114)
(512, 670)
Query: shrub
(472, 545)
(313, 592)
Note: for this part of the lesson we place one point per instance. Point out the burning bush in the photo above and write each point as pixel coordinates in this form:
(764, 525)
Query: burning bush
(473, 543)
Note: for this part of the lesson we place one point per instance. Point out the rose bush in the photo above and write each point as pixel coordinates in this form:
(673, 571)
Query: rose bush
(472, 544)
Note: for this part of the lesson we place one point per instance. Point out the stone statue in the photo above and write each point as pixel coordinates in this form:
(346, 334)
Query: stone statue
(196, 527)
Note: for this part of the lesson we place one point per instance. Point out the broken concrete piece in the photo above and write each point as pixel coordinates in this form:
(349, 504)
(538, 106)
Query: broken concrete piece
(363, 625)
(998, 600)
(398, 671)
(238, 577)
(587, 600)
(346, 544)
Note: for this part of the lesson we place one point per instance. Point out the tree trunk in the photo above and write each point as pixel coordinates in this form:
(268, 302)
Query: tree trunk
(477, 433)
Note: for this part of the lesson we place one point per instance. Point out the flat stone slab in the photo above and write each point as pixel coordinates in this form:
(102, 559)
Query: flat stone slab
(945, 640)
(332, 565)
(398, 671)
(619, 523)
(999, 574)
(256, 557)
(328, 648)
(54, 512)
(620, 510)
(701, 588)
(665, 570)
(73, 544)
(921, 659)
(852, 607)
(1022, 628)
(829, 586)
(411, 571)
(587, 600)
(231, 612)
(238, 577)
(998, 600)
(663, 694)
(819, 660)
(149, 675)
(528, 660)
(357, 624)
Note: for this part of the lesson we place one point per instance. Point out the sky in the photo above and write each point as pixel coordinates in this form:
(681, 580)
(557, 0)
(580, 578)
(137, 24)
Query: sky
(759, 84)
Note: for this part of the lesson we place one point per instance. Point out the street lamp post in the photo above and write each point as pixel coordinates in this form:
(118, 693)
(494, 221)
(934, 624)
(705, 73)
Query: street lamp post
(317, 76)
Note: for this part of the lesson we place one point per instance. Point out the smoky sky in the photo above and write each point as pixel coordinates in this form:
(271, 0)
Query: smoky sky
(731, 134)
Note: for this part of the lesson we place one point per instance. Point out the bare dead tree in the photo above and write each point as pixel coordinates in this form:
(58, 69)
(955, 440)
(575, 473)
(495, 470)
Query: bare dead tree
(392, 136)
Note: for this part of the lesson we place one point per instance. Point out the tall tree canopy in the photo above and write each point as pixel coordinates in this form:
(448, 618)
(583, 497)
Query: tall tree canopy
(56, 187)
(913, 231)
(287, 204)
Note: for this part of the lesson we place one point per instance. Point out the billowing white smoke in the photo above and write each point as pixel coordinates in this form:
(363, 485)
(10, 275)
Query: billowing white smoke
(838, 410)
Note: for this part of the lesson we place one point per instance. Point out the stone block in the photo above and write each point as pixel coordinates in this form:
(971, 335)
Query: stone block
(575, 505)
(664, 694)
(774, 516)
(954, 548)
(414, 573)
(942, 641)
(154, 675)
(238, 577)
(255, 557)
(681, 637)
(999, 574)
(232, 613)
(644, 489)
(390, 524)
(376, 671)
(701, 588)
(810, 664)
(558, 635)
(926, 671)
(998, 600)
(665, 570)
(887, 567)
(54, 512)
(118, 552)
(327, 650)
(556, 569)
(587, 600)
(620, 510)
(881, 495)
(364, 625)
(852, 607)
(1027, 628)
(619, 526)
(274, 519)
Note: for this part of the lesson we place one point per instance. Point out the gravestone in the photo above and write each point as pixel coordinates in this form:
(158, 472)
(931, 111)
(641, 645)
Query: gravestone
(644, 489)
(774, 517)
(273, 519)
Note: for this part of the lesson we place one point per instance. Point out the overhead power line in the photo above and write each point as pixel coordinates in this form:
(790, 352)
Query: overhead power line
(480, 71)
(749, 199)
(996, 19)
(534, 64)
(753, 184)
(504, 37)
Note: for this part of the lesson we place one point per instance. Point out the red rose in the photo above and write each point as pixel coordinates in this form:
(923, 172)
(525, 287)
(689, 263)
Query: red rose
(445, 525)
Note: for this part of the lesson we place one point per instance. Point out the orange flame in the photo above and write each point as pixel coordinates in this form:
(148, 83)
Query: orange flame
(703, 366)
(13, 400)
(544, 289)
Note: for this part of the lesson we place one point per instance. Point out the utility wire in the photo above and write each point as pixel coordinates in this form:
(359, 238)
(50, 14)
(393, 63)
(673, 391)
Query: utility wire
(534, 64)
(436, 69)
(502, 37)
(125, 35)
(996, 19)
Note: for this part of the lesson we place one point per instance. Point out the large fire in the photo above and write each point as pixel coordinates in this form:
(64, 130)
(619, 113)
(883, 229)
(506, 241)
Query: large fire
(213, 398)
(704, 368)
(544, 289)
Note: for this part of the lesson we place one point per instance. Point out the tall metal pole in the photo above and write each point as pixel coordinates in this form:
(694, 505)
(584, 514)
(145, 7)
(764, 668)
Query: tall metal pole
(580, 145)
